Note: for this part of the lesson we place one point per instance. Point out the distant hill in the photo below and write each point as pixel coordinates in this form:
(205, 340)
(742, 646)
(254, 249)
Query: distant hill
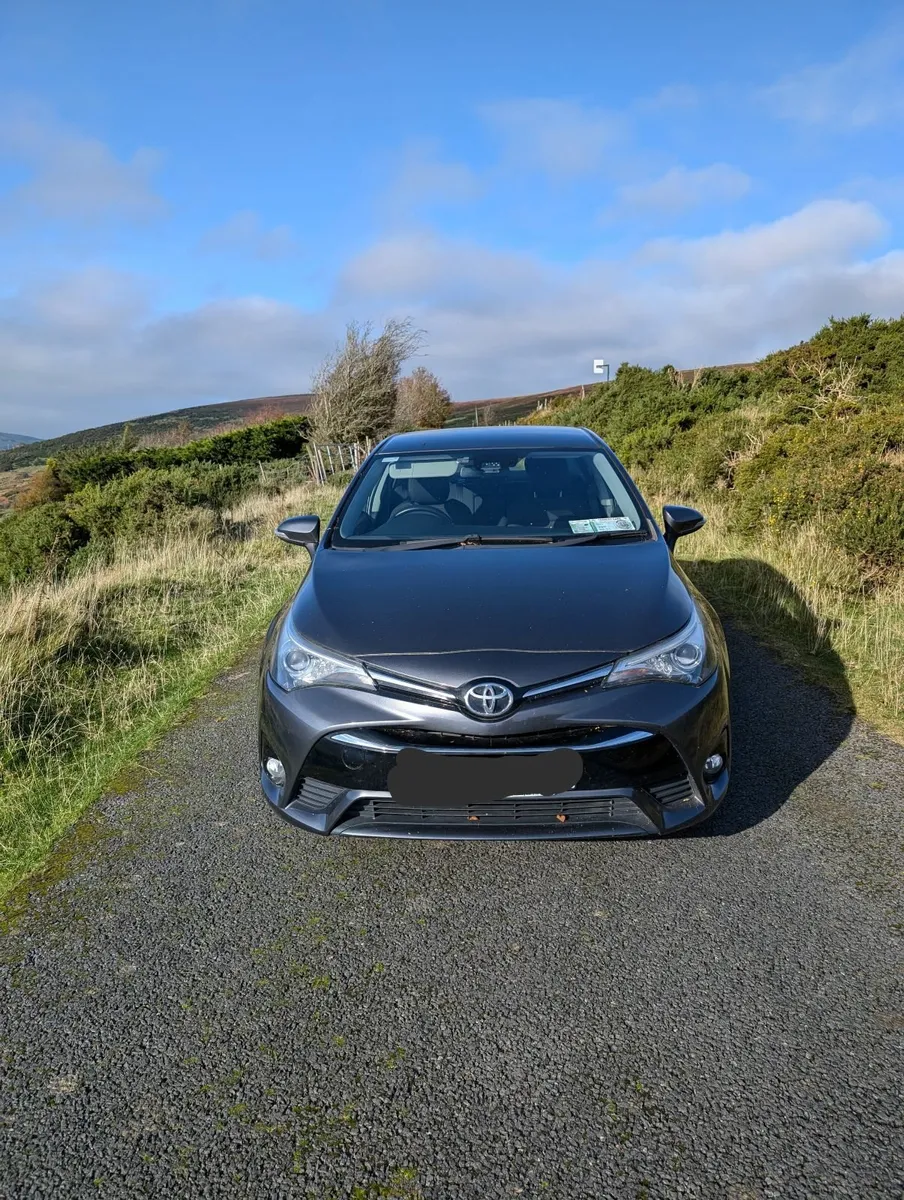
(509, 408)
(201, 419)
(9, 440)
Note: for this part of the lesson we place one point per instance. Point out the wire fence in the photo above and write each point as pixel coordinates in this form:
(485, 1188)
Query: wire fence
(330, 458)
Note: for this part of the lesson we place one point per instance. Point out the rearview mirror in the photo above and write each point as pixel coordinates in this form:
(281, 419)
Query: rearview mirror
(680, 521)
(300, 531)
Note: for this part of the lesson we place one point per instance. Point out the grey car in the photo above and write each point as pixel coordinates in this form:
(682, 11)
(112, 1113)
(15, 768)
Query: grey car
(494, 640)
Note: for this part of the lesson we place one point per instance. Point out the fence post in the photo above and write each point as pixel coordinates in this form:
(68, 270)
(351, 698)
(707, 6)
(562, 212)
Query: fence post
(330, 456)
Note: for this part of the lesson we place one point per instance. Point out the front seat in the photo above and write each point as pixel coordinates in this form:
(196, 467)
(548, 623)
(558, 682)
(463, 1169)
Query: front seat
(431, 493)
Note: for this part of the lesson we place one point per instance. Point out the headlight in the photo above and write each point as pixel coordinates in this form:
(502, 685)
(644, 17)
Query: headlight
(297, 663)
(687, 657)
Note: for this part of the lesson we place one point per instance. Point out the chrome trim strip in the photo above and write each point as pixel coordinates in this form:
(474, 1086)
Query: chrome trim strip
(574, 681)
(398, 684)
(387, 745)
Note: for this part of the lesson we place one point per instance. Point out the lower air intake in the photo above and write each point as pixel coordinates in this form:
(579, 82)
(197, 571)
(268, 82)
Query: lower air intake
(317, 796)
(577, 810)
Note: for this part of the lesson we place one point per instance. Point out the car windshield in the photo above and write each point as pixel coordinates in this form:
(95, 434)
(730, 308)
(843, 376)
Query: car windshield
(489, 496)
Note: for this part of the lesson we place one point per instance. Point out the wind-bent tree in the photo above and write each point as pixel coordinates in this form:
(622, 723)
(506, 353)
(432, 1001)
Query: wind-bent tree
(356, 387)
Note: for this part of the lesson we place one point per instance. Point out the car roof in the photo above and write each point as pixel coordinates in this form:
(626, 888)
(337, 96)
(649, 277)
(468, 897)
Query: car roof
(493, 437)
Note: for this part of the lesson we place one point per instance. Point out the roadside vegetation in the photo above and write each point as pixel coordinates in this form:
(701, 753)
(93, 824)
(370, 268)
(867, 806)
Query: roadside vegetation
(174, 427)
(798, 461)
(132, 572)
(98, 661)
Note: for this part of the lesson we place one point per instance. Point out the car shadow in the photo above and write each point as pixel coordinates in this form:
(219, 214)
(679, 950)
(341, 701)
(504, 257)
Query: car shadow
(784, 726)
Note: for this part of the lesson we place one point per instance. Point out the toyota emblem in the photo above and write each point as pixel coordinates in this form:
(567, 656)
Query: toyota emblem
(488, 699)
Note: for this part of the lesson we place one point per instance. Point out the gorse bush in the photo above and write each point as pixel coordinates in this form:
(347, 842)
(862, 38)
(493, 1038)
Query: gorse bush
(143, 503)
(78, 506)
(818, 428)
(37, 542)
(283, 438)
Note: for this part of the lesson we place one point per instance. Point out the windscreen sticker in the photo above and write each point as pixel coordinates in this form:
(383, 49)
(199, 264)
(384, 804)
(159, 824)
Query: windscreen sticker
(601, 525)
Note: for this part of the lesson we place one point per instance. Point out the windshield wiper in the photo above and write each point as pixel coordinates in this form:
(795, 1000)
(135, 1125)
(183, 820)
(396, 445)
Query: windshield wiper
(470, 539)
(601, 536)
(479, 539)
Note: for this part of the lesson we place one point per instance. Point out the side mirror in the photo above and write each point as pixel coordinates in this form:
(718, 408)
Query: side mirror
(680, 521)
(300, 531)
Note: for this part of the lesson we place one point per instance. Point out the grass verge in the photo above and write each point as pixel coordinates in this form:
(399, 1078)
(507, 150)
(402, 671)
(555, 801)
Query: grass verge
(94, 667)
(808, 601)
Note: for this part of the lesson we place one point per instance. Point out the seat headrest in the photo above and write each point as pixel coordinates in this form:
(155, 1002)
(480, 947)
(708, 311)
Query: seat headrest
(429, 489)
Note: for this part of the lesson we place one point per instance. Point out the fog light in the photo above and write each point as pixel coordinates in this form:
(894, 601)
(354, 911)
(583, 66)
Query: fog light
(276, 772)
(713, 765)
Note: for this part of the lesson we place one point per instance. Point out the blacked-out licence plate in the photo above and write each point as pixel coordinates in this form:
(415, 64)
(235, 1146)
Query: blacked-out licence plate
(422, 777)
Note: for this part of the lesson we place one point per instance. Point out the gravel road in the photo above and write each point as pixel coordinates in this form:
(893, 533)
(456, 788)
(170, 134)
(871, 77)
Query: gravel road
(200, 1001)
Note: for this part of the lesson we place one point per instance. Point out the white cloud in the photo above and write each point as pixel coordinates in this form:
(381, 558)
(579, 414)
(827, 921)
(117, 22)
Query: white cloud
(245, 233)
(560, 137)
(682, 188)
(89, 347)
(864, 88)
(502, 323)
(824, 232)
(73, 177)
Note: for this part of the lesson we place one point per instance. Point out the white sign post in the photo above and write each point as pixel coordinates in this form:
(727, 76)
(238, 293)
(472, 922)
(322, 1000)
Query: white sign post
(600, 366)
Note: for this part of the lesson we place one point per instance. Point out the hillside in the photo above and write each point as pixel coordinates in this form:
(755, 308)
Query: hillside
(200, 420)
(516, 408)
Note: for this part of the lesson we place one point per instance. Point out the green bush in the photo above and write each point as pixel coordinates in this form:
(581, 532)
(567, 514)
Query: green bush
(641, 412)
(279, 439)
(815, 429)
(871, 524)
(40, 540)
(146, 501)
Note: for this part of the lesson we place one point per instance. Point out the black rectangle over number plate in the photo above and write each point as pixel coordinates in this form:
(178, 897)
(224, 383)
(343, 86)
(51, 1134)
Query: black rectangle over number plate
(422, 777)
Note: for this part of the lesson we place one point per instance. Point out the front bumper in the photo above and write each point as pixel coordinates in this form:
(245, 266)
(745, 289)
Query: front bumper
(644, 747)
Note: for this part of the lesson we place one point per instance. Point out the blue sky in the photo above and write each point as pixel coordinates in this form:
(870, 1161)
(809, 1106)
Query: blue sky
(196, 196)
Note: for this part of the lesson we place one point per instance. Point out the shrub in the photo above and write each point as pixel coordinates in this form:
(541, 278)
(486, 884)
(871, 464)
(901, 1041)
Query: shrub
(279, 439)
(40, 540)
(146, 501)
(817, 429)
(44, 487)
(423, 402)
(871, 524)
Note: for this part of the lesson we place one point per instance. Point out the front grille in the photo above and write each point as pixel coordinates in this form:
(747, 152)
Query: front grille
(559, 736)
(577, 810)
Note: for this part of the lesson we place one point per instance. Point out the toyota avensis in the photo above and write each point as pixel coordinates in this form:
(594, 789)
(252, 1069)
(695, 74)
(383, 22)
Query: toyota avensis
(494, 640)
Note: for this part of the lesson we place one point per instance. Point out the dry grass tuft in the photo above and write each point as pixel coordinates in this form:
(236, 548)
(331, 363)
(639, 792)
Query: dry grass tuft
(809, 600)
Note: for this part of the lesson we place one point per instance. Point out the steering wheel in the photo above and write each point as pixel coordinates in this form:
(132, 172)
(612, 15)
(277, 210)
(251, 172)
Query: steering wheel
(431, 509)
